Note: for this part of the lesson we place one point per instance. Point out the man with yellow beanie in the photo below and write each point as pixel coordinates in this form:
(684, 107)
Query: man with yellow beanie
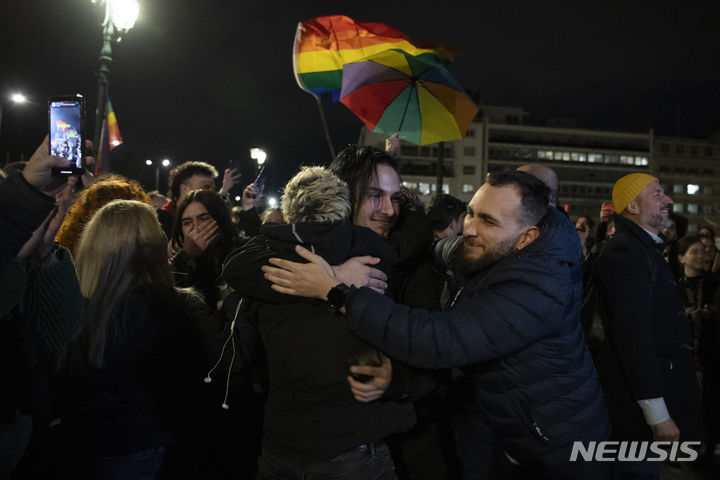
(642, 363)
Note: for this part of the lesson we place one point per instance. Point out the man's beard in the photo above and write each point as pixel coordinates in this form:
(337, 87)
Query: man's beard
(471, 265)
(660, 222)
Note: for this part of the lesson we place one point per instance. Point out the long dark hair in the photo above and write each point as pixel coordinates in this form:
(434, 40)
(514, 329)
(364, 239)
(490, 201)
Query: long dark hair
(217, 209)
(357, 166)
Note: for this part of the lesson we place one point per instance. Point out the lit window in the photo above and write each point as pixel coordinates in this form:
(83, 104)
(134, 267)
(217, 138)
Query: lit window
(692, 189)
(595, 158)
(545, 154)
(612, 158)
(692, 208)
(677, 207)
(566, 156)
(641, 161)
(626, 160)
(557, 156)
(410, 185)
(677, 188)
(467, 188)
(582, 157)
(424, 188)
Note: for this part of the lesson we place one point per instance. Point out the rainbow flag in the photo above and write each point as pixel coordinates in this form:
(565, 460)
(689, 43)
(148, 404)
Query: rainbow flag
(109, 138)
(113, 130)
(60, 125)
(324, 44)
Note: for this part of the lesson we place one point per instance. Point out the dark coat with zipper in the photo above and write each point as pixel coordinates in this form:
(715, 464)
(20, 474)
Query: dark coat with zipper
(646, 354)
(310, 412)
(514, 330)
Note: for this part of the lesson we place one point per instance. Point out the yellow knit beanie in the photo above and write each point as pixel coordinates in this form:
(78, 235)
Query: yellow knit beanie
(629, 187)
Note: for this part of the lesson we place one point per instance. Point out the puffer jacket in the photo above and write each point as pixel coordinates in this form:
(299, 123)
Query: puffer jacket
(514, 330)
(310, 413)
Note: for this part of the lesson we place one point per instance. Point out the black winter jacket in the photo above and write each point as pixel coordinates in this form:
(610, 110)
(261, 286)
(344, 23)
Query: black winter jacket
(310, 412)
(146, 395)
(515, 331)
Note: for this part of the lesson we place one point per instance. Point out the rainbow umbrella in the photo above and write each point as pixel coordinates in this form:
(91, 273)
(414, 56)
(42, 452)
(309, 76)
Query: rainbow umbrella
(394, 91)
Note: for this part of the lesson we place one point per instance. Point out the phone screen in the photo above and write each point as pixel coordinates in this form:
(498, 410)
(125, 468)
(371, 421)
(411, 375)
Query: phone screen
(260, 180)
(67, 134)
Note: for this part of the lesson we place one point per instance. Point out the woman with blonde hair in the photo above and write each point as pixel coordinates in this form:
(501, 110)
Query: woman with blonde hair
(131, 371)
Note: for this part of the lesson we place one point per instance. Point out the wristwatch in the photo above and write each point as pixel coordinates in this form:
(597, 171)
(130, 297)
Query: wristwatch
(337, 297)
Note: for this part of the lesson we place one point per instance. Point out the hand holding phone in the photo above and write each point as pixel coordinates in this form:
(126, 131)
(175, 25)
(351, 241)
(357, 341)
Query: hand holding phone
(66, 119)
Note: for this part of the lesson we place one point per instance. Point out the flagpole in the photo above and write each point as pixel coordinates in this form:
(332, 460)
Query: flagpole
(325, 127)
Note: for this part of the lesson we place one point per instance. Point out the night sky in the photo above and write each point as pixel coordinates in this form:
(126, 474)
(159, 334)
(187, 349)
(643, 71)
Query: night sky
(207, 80)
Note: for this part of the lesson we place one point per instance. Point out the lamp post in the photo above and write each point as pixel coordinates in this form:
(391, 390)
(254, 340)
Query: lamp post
(165, 163)
(120, 16)
(15, 98)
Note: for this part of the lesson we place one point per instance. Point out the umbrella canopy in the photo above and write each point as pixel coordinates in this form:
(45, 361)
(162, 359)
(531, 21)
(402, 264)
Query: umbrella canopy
(394, 91)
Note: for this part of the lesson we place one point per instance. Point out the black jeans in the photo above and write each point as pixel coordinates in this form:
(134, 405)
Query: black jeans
(367, 462)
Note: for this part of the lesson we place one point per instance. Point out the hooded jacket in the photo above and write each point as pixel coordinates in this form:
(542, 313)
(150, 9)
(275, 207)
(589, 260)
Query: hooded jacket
(514, 330)
(310, 412)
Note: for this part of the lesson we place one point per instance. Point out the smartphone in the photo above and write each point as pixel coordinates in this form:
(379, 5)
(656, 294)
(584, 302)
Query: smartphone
(260, 181)
(234, 164)
(66, 117)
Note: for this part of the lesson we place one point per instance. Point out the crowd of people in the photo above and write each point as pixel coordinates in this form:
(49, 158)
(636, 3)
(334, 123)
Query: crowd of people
(352, 333)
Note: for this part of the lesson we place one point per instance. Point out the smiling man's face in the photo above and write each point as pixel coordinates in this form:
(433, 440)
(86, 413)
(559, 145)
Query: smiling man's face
(654, 207)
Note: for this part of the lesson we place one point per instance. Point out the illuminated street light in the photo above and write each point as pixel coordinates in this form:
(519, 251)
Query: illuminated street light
(165, 163)
(15, 98)
(120, 16)
(123, 13)
(238, 198)
(259, 155)
(272, 201)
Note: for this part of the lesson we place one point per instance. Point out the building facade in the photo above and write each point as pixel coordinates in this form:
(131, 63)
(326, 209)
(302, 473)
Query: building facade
(587, 162)
(690, 172)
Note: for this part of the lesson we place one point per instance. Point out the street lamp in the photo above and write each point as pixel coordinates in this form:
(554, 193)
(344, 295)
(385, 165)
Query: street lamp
(165, 163)
(120, 16)
(15, 98)
(259, 155)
